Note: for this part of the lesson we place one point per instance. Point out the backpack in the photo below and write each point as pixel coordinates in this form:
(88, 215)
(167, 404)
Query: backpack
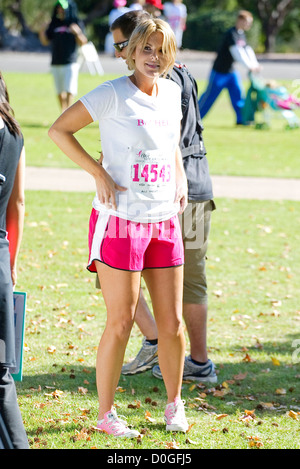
(191, 142)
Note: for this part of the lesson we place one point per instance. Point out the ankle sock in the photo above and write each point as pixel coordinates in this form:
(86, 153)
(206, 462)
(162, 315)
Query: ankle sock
(151, 342)
(198, 363)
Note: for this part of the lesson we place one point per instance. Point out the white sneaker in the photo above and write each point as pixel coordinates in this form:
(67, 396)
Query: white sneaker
(175, 416)
(112, 425)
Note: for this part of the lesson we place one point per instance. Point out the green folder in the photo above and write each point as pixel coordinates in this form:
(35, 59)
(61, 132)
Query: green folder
(19, 320)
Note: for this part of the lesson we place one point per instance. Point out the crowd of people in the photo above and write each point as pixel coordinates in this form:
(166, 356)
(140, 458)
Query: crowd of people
(152, 209)
(173, 11)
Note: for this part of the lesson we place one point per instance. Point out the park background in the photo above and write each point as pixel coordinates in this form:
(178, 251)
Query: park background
(252, 267)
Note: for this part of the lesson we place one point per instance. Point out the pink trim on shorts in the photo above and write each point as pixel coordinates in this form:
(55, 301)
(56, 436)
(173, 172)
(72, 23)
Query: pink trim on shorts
(127, 245)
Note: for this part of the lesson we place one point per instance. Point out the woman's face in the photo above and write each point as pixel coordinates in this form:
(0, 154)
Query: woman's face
(150, 60)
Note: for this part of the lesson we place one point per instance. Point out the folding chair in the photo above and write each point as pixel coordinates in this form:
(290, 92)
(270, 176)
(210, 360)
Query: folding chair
(88, 56)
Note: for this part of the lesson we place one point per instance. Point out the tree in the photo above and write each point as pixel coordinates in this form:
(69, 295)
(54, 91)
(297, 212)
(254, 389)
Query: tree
(272, 14)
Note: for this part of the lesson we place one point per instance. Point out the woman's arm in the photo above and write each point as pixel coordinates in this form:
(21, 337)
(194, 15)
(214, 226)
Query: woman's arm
(15, 216)
(181, 182)
(62, 133)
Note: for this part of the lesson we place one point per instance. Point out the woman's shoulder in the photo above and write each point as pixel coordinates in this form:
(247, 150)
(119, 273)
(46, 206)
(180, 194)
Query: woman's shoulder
(111, 84)
(168, 85)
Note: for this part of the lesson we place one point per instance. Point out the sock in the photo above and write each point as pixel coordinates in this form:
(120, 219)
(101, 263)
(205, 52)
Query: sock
(198, 363)
(151, 342)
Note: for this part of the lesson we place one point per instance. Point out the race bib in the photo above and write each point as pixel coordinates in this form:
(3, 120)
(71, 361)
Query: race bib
(152, 175)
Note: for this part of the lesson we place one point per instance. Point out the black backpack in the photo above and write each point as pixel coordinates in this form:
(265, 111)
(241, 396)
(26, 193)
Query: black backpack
(191, 142)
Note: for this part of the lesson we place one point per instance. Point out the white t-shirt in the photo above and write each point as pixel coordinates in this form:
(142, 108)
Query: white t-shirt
(139, 134)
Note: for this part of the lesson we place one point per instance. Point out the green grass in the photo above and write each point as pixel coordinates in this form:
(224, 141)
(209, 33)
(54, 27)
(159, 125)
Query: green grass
(232, 151)
(252, 267)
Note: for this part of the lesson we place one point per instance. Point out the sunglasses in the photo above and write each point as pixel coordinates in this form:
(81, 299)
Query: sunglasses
(119, 46)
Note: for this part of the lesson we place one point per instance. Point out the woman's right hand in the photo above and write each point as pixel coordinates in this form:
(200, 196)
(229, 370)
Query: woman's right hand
(106, 189)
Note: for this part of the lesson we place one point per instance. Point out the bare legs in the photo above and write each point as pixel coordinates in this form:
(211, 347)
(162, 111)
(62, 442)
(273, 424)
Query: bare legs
(65, 100)
(195, 317)
(121, 292)
(165, 288)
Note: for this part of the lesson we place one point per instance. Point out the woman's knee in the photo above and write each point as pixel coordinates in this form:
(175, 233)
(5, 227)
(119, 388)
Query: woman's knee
(120, 327)
(173, 327)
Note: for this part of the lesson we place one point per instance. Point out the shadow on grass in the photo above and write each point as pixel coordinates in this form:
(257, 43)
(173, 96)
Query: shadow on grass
(254, 383)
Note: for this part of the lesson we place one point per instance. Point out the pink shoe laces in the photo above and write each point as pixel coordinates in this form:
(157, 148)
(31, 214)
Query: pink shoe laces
(112, 425)
(175, 412)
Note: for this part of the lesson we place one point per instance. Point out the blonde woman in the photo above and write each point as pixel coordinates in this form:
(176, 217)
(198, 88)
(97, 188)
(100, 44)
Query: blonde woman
(134, 228)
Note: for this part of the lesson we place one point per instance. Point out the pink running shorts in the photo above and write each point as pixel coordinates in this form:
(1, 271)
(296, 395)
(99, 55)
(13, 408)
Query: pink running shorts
(127, 245)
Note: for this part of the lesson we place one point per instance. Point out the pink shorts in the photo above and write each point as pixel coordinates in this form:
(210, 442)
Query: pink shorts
(127, 245)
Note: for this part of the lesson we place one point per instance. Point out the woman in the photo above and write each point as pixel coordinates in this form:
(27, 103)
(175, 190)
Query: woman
(134, 226)
(12, 164)
(65, 34)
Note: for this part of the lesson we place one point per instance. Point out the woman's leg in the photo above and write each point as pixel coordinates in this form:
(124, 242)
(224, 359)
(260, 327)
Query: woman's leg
(120, 291)
(165, 288)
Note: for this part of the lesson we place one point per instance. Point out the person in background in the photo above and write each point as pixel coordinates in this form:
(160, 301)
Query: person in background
(119, 8)
(175, 13)
(137, 5)
(12, 200)
(134, 224)
(197, 366)
(233, 48)
(154, 7)
(65, 34)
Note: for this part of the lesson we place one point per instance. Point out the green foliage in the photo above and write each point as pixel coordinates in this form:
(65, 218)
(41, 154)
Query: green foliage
(206, 21)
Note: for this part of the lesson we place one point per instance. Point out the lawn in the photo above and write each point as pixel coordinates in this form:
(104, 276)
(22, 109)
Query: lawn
(243, 151)
(252, 267)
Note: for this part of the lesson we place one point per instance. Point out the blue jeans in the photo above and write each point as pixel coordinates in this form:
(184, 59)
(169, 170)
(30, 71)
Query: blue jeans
(217, 82)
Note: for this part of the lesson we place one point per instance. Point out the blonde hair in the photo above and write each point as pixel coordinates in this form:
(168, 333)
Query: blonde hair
(245, 14)
(140, 37)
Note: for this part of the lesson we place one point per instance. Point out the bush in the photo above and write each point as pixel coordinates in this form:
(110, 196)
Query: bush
(204, 30)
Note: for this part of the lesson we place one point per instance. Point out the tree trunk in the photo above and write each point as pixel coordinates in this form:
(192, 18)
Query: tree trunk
(272, 18)
(16, 10)
(100, 9)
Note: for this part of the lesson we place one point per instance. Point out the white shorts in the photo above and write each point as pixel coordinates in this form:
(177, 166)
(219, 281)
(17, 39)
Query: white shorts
(66, 78)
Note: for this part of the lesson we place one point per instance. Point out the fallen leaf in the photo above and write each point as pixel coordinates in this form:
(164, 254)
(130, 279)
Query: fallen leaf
(280, 391)
(82, 390)
(275, 361)
(172, 445)
(221, 416)
(293, 414)
(120, 389)
(248, 359)
(240, 376)
(148, 417)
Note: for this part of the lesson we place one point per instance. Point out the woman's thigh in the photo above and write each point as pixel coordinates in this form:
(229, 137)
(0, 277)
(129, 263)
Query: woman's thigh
(165, 287)
(120, 291)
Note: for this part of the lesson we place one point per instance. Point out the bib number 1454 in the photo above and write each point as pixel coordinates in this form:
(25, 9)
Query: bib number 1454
(151, 173)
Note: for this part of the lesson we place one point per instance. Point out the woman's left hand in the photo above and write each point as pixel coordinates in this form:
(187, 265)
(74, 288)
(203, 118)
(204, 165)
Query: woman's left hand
(181, 195)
